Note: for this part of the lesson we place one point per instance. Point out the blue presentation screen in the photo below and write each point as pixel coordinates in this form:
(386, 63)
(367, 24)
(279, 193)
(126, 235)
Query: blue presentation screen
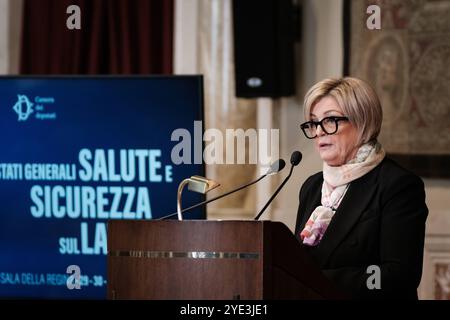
(76, 152)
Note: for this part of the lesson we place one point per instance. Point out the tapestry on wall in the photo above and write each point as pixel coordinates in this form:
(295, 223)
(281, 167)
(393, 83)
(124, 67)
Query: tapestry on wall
(407, 61)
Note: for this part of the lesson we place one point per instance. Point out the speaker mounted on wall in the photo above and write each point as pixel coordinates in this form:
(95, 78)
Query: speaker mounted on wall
(264, 38)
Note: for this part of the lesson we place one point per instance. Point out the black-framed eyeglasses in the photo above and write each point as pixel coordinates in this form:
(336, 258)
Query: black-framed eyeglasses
(329, 125)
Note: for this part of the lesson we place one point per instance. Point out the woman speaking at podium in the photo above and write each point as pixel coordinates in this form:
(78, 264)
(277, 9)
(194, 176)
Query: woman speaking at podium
(363, 217)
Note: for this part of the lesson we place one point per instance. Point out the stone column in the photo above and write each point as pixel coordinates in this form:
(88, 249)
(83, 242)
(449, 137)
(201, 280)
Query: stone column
(222, 110)
(10, 30)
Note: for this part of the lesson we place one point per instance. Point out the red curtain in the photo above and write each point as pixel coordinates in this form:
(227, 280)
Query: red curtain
(116, 37)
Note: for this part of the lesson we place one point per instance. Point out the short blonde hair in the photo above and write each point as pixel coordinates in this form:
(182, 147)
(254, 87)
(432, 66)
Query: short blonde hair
(357, 99)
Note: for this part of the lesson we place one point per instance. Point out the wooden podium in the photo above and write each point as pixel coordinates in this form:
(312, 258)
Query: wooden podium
(198, 259)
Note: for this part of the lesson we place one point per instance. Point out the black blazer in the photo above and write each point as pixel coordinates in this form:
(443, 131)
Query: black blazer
(380, 221)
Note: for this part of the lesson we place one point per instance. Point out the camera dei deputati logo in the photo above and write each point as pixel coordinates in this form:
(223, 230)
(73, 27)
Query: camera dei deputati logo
(23, 107)
(39, 108)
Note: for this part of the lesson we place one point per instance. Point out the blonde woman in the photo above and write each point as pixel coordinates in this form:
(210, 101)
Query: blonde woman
(362, 218)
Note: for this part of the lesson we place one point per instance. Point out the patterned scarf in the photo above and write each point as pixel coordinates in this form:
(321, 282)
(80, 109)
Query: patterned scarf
(336, 181)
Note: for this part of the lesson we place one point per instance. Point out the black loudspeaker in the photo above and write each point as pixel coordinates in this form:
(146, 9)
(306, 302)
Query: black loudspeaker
(264, 37)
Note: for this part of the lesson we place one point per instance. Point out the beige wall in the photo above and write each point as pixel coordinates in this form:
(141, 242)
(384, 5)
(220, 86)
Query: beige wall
(438, 201)
(10, 27)
(4, 38)
(437, 241)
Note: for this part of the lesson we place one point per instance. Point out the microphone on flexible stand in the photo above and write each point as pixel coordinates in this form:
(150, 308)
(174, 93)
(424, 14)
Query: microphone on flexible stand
(275, 167)
(296, 157)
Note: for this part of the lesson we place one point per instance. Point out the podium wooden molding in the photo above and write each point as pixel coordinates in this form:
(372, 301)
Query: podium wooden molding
(207, 260)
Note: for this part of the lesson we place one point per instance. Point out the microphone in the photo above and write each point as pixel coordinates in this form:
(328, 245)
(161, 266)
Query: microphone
(275, 167)
(296, 157)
